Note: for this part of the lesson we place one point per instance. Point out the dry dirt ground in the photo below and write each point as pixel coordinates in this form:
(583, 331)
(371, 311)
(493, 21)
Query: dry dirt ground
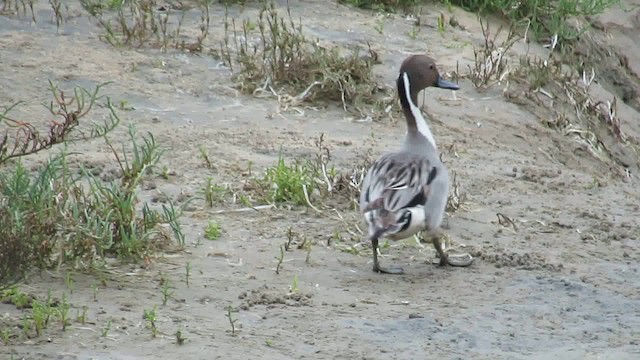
(563, 282)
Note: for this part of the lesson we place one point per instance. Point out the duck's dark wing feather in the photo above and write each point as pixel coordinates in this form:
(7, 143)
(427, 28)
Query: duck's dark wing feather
(396, 181)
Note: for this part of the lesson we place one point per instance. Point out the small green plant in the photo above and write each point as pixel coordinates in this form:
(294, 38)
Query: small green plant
(415, 30)
(106, 329)
(307, 246)
(293, 288)
(213, 193)
(280, 259)
(171, 216)
(165, 172)
(379, 25)
(26, 325)
(94, 291)
(151, 316)
(187, 273)
(180, 339)
(166, 291)
(204, 154)
(56, 6)
(441, 23)
(40, 313)
(232, 321)
(290, 238)
(68, 280)
(81, 317)
(5, 334)
(63, 312)
(212, 231)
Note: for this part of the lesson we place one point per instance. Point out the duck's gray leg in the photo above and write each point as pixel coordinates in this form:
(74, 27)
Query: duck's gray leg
(437, 243)
(460, 260)
(396, 270)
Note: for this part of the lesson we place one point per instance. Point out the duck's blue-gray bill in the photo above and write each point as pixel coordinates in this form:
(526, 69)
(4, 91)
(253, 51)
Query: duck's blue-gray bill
(442, 83)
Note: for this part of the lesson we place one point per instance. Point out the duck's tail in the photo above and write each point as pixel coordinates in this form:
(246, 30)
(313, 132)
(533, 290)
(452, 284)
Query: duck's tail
(383, 222)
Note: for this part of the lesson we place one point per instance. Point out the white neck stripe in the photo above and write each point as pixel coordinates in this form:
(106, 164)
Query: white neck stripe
(421, 124)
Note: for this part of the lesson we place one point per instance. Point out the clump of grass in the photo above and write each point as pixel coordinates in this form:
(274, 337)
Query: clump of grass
(301, 182)
(18, 7)
(32, 208)
(111, 219)
(139, 23)
(555, 89)
(490, 61)
(544, 18)
(382, 5)
(77, 214)
(59, 18)
(289, 182)
(562, 98)
(19, 299)
(39, 314)
(97, 7)
(284, 62)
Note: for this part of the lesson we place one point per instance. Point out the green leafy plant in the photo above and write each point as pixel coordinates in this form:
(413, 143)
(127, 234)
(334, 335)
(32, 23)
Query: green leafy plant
(212, 231)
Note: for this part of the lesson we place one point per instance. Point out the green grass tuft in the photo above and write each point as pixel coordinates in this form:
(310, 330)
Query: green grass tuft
(212, 231)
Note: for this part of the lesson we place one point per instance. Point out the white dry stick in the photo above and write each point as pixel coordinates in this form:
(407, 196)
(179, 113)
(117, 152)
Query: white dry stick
(326, 177)
(306, 197)
(255, 208)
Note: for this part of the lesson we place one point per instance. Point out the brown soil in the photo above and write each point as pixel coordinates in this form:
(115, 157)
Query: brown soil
(561, 281)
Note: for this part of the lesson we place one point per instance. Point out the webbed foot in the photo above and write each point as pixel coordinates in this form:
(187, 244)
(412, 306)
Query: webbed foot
(395, 270)
(460, 260)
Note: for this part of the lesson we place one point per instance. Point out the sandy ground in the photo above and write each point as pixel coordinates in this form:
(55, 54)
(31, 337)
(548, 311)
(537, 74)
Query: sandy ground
(562, 283)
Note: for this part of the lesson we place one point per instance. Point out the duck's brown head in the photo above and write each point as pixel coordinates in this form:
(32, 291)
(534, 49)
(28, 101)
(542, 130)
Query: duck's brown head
(421, 72)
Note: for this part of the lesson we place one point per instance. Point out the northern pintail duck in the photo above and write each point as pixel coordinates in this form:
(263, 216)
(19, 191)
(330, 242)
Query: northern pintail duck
(406, 191)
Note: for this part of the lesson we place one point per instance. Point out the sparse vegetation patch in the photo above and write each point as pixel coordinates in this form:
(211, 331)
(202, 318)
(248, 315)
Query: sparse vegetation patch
(382, 5)
(273, 56)
(64, 214)
(146, 23)
(542, 18)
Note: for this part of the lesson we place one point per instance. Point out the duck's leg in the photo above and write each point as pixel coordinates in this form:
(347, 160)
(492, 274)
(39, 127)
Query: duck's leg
(437, 243)
(396, 270)
(460, 260)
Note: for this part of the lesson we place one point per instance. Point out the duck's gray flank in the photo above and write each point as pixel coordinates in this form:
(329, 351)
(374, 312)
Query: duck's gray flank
(406, 191)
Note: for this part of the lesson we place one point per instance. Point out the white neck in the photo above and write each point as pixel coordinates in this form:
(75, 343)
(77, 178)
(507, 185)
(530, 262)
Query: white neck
(421, 123)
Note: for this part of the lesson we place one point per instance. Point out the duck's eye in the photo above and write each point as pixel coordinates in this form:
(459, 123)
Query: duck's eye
(431, 66)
